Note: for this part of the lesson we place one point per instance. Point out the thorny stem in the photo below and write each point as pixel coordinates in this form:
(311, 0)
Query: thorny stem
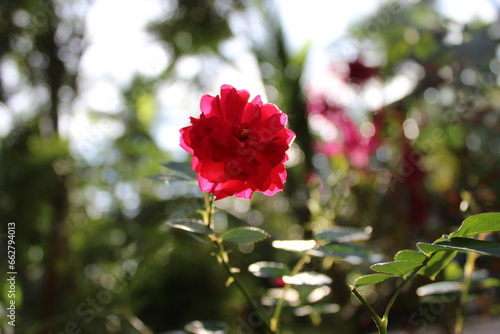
(279, 306)
(223, 259)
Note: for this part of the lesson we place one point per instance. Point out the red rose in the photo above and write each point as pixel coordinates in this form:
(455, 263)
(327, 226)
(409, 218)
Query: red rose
(238, 147)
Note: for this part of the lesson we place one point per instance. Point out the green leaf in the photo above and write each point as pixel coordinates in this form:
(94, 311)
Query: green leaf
(337, 249)
(372, 279)
(172, 177)
(342, 234)
(190, 225)
(308, 278)
(484, 222)
(453, 272)
(438, 260)
(269, 269)
(467, 245)
(410, 255)
(247, 234)
(429, 248)
(181, 167)
(398, 268)
(176, 171)
(490, 283)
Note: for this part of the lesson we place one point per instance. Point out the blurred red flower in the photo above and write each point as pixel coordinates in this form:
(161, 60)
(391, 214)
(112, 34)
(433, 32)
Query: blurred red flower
(238, 147)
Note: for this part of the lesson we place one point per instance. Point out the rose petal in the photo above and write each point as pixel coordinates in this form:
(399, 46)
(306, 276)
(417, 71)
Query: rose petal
(238, 147)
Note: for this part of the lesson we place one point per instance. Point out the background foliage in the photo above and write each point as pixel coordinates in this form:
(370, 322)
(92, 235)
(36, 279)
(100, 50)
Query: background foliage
(91, 249)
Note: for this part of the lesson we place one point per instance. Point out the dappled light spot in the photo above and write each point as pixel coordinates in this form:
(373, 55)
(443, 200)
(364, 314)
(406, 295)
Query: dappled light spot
(410, 128)
(294, 245)
(473, 142)
(291, 296)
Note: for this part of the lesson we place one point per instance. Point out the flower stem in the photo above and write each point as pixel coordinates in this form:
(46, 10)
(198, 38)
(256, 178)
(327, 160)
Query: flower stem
(398, 291)
(379, 322)
(279, 306)
(223, 259)
(384, 321)
(469, 268)
(468, 271)
(208, 213)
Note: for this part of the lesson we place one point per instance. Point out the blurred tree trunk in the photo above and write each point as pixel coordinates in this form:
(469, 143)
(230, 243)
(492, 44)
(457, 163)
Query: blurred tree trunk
(57, 261)
(34, 191)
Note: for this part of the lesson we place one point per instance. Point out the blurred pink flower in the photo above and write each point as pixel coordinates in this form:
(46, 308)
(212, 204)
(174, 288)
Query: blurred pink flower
(348, 141)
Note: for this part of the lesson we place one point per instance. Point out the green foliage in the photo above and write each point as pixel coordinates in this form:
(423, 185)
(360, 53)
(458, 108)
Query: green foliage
(372, 279)
(436, 256)
(195, 27)
(88, 216)
(269, 269)
(481, 223)
(245, 234)
(397, 268)
(340, 250)
(410, 255)
(436, 263)
(463, 245)
(182, 171)
(342, 234)
(190, 225)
